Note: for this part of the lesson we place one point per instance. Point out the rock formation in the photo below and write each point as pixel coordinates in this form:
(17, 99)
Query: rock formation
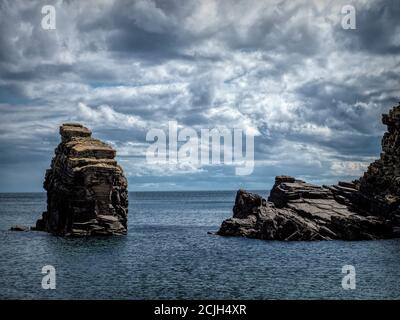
(19, 228)
(368, 208)
(86, 188)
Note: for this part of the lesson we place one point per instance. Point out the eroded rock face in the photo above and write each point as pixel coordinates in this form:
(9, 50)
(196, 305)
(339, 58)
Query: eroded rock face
(364, 209)
(86, 188)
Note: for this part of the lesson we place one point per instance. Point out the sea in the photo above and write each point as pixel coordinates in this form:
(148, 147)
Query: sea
(168, 254)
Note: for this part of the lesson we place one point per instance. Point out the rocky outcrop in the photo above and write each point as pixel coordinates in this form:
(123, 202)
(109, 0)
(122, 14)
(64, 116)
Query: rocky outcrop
(19, 228)
(368, 208)
(86, 188)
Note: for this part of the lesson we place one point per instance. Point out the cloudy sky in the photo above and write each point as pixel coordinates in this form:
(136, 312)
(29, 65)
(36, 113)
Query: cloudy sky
(312, 91)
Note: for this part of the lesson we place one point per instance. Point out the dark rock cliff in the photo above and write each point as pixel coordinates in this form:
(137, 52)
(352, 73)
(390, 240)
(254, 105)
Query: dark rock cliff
(86, 188)
(368, 208)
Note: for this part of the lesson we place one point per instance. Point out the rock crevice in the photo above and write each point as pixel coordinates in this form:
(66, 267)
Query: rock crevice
(86, 188)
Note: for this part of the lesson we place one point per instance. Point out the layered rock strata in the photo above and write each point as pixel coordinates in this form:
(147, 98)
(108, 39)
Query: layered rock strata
(368, 208)
(86, 188)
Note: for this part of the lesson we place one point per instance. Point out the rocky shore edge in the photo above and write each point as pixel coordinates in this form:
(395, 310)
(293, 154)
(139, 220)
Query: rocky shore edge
(364, 209)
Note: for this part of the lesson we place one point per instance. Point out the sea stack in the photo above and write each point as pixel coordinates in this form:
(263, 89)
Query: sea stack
(86, 188)
(367, 208)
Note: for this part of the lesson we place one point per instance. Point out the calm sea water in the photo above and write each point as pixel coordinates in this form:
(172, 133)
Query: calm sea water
(169, 255)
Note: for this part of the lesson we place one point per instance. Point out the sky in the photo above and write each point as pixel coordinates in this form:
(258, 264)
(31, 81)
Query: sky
(311, 91)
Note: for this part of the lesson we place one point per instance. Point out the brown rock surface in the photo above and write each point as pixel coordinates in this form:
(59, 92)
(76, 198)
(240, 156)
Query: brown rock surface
(368, 208)
(86, 188)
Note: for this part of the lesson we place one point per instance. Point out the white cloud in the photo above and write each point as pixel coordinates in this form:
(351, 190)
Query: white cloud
(349, 168)
(106, 115)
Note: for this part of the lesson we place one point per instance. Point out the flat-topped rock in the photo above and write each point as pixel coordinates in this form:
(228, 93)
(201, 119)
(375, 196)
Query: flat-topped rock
(368, 208)
(302, 218)
(283, 191)
(86, 188)
(70, 130)
(80, 147)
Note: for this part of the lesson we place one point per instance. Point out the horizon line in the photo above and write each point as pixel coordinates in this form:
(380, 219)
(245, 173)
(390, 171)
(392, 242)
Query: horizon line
(197, 190)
